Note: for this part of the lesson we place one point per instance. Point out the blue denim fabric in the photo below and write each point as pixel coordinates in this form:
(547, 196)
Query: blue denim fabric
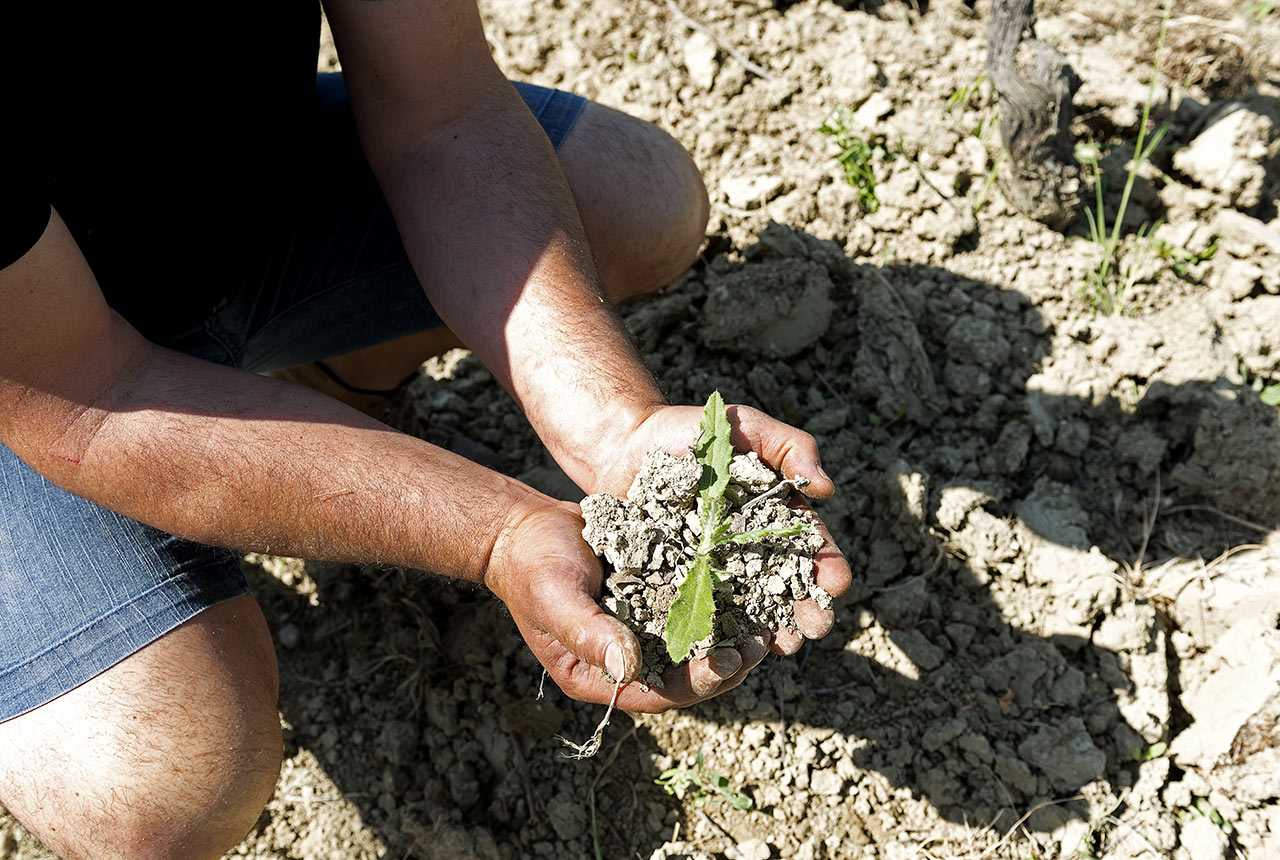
(82, 588)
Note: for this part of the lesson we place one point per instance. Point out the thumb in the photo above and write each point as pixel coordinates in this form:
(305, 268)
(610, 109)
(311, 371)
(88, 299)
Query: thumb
(546, 574)
(789, 450)
(572, 617)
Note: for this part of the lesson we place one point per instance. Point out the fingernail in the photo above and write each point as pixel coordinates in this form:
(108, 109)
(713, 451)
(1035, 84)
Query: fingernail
(823, 473)
(724, 661)
(757, 646)
(614, 663)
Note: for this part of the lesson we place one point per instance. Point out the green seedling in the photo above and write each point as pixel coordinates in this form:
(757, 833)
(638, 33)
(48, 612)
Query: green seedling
(1259, 11)
(989, 182)
(989, 123)
(1201, 806)
(1268, 391)
(961, 97)
(1151, 753)
(707, 785)
(1108, 286)
(693, 611)
(1180, 259)
(856, 155)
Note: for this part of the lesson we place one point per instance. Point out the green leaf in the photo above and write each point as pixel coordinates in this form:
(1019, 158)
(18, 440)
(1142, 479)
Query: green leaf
(691, 611)
(675, 781)
(1270, 395)
(760, 535)
(736, 799)
(714, 450)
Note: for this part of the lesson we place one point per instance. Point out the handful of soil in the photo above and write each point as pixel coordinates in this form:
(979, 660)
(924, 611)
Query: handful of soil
(650, 542)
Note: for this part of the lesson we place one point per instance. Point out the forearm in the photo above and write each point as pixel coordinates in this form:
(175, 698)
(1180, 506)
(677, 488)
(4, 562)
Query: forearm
(494, 234)
(238, 460)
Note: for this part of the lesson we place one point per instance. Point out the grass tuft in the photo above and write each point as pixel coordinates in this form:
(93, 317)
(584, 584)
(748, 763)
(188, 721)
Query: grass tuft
(1109, 287)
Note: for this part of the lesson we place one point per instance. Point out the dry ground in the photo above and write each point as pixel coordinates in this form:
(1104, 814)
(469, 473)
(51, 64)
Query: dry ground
(1062, 640)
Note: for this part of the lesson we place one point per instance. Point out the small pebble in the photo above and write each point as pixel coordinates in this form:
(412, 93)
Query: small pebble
(288, 636)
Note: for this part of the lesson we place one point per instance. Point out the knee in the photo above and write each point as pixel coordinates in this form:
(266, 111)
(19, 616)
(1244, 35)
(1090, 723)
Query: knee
(224, 760)
(171, 753)
(204, 816)
(641, 197)
(191, 803)
(672, 223)
(676, 220)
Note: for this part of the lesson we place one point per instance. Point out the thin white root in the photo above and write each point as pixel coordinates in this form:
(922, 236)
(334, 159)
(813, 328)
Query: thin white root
(592, 746)
(799, 482)
(542, 683)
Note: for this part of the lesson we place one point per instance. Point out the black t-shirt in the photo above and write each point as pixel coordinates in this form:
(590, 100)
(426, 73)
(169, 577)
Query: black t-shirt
(169, 136)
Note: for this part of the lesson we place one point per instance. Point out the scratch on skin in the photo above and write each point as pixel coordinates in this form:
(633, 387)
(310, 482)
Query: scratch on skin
(73, 444)
(326, 497)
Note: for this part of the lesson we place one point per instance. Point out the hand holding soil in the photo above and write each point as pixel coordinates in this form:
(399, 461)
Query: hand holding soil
(550, 580)
(706, 553)
(547, 577)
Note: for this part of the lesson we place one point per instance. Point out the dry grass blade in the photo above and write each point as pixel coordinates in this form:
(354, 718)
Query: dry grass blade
(751, 67)
(1025, 816)
(591, 789)
(1231, 518)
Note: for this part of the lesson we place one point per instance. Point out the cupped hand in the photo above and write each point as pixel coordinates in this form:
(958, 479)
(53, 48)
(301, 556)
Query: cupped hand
(784, 448)
(550, 581)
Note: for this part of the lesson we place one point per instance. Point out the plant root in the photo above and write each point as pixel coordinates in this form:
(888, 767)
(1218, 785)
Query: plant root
(592, 746)
(799, 482)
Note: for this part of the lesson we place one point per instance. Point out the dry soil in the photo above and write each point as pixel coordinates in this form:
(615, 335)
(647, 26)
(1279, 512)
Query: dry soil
(1062, 635)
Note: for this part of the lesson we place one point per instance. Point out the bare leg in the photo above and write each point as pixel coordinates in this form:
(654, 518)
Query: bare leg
(171, 753)
(644, 209)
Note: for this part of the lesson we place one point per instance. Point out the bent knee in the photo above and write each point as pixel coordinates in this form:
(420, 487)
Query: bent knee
(170, 753)
(203, 818)
(192, 802)
(641, 197)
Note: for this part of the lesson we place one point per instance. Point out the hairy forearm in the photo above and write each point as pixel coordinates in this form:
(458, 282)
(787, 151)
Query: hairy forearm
(494, 234)
(234, 459)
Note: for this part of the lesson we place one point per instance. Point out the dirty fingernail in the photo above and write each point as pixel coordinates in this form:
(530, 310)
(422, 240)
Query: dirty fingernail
(613, 661)
(724, 661)
(823, 473)
(755, 647)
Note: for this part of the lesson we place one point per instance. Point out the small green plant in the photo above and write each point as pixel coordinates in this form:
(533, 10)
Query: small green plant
(961, 97)
(707, 785)
(1109, 287)
(987, 184)
(1180, 259)
(693, 610)
(988, 125)
(1151, 753)
(1201, 806)
(1268, 391)
(856, 156)
(1259, 10)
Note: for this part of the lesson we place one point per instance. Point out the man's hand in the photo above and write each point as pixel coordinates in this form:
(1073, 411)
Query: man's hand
(549, 579)
(792, 452)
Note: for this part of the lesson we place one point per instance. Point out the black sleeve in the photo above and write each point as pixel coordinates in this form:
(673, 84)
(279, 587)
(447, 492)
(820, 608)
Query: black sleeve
(24, 193)
(24, 208)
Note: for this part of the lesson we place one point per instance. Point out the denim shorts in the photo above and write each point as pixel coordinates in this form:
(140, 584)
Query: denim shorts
(81, 587)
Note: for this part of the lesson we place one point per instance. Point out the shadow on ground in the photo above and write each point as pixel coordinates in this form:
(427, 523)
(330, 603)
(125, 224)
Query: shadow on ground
(996, 657)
